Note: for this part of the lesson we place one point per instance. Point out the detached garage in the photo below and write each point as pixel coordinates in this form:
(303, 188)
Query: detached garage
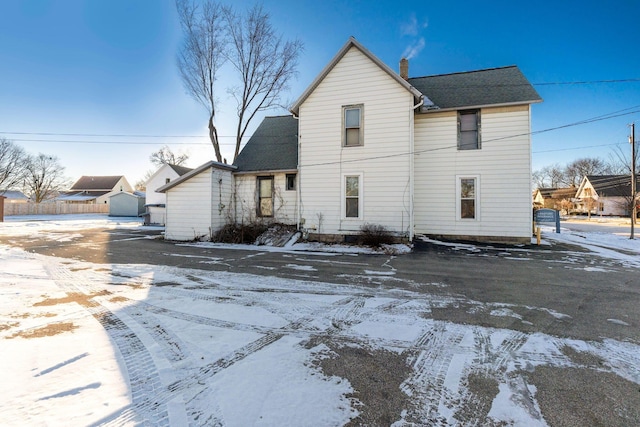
(126, 204)
(199, 202)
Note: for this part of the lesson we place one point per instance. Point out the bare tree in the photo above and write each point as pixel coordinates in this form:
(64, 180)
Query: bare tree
(266, 64)
(579, 168)
(550, 176)
(201, 55)
(44, 177)
(164, 156)
(12, 165)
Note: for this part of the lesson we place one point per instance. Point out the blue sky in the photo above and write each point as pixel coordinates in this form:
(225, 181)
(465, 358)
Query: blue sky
(107, 67)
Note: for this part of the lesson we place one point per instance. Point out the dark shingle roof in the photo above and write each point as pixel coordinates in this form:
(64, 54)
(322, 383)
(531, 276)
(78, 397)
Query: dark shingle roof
(96, 182)
(558, 193)
(273, 146)
(180, 170)
(494, 86)
(612, 185)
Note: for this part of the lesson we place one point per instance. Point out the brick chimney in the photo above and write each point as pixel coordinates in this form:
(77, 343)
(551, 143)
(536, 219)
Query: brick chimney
(404, 68)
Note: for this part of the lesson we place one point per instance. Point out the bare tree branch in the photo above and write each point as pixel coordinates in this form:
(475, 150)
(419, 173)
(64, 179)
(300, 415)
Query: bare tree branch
(201, 55)
(164, 156)
(44, 178)
(12, 165)
(265, 62)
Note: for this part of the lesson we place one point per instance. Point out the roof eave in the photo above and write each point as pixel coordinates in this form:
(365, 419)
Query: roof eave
(473, 107)
(266, 171)
(352, 42)
(194, 172)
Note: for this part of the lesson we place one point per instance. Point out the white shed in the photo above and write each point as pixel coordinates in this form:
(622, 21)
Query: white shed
(199, 203)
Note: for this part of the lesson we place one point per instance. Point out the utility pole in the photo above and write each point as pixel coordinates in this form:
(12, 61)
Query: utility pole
(632, 140)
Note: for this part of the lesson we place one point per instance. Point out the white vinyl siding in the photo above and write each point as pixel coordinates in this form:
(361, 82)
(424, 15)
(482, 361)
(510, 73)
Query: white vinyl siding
(246, 199)
(504, 164)
(383, 155)
(198, 206)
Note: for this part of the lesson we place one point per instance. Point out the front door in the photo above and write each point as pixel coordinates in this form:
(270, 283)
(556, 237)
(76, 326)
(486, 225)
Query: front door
(265, 196)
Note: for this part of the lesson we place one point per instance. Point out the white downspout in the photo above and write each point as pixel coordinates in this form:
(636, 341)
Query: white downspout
(411, 165)
(298, 177)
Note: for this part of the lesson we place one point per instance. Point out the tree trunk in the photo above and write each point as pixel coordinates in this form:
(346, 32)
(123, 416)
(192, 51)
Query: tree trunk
(213, 135)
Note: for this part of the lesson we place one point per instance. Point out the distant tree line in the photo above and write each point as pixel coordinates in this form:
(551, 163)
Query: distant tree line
(40, 177)
(571, 174)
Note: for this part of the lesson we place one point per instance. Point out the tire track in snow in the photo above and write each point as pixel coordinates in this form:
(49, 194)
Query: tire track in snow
(435, 350)
(144, 379)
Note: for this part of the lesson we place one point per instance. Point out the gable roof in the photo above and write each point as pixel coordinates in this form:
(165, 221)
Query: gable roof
(273, 146)
(96, 182)
(180, 170)
(352, 42)
(494, 86)
(611, 185)
(210, 164)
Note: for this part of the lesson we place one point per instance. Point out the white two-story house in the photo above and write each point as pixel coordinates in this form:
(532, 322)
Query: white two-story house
(445, 156)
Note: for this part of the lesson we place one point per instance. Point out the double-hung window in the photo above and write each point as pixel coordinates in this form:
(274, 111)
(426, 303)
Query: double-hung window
(467, 201)
(352, 196)
(469, 130)
(352, 120)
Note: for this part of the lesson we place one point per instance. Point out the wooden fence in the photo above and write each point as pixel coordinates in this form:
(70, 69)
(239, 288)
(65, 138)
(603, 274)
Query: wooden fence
(54, 208)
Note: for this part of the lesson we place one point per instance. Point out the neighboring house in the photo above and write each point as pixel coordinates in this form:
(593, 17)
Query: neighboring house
(445, 156)
(562, 199)
(155, 201)
(13, 196)
(95, 189)
(605, 195)
(124, 203)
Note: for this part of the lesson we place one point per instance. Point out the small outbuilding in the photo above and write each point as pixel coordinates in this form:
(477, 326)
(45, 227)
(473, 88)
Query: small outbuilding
(127, 204)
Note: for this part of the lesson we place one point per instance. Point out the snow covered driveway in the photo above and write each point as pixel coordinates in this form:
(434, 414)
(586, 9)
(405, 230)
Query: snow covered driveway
(94, 343)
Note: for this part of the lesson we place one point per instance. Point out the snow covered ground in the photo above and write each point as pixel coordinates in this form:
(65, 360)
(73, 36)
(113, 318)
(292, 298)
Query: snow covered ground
(135, 344)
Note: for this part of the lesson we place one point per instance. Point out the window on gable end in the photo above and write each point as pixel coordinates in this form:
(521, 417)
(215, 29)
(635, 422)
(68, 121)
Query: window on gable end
(469, 130)
(353, 134)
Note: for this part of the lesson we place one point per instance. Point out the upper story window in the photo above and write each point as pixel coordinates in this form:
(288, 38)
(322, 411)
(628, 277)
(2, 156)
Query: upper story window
(469, 130)
(352, 125)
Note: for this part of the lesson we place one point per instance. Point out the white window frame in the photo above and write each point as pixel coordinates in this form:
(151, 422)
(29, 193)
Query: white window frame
(360, 125)
(343, 197)
(476, 199)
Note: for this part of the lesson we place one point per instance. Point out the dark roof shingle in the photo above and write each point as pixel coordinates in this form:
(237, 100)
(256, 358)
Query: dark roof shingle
(273, 146)
(612, 185)
(495, 86)
(96, 182)
(180, 170)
